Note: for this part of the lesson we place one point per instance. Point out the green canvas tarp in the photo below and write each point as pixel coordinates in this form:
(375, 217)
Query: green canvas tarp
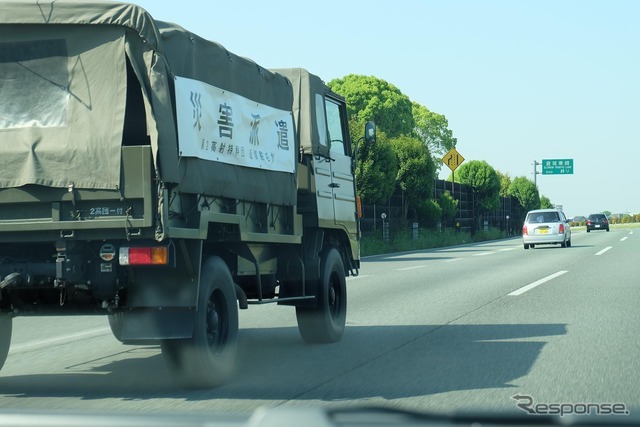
(308, 110)
(69, 71)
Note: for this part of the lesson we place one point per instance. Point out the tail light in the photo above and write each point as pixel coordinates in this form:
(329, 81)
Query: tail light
(524, 230)
(147, 255)
(561, 229)
(588, 222)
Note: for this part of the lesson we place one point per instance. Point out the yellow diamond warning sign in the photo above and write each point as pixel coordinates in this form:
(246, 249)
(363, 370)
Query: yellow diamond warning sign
(453, 159)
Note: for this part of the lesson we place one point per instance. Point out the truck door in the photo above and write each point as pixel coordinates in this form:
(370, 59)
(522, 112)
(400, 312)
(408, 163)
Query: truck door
(342, 180)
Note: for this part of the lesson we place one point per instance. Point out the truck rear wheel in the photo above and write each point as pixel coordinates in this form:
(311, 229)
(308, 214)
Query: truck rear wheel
(115, 323)
(6, 326)
(325, 322)
(207, 359)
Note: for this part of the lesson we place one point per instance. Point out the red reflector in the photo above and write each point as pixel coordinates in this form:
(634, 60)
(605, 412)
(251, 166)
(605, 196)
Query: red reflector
(155, 255)
(139, 256)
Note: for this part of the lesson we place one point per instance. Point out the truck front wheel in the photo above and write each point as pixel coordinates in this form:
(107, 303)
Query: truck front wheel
(325, 322)
(6, 326)
(207, 359)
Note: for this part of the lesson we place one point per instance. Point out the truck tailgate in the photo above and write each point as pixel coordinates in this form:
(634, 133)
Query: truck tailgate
(62, 210)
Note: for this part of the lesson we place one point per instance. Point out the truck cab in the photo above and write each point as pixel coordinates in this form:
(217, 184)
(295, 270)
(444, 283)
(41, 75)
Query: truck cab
(326, 182)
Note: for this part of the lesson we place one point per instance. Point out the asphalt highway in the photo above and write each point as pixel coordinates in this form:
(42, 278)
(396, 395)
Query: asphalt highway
(465, 328)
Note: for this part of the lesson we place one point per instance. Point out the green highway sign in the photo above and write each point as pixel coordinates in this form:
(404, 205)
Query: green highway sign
(557, 167)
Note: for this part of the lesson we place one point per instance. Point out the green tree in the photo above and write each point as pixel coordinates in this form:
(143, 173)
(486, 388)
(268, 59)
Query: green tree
(376, 170)
(449, 206)
(526, 192)
(371, 98)
(433, 129)
(545, 202)
(505, 182)
(416, 171)
(429, 212)
(483, 179)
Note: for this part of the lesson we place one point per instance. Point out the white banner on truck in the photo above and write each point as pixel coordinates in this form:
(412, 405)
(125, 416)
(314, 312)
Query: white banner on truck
(218, 125)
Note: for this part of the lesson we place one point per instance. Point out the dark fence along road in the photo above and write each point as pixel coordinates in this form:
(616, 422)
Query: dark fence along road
(508, 217)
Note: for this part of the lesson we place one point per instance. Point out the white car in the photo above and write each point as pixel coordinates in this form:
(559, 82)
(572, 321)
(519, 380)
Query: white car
(546, 227)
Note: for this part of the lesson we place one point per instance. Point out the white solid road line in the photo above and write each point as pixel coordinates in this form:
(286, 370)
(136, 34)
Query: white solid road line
(483, 253)
(360, 276)
(63, 339)
(410, 268)
(604, 250)
(536, 283)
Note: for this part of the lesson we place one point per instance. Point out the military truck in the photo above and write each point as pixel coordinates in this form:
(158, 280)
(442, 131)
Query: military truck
(154, 177)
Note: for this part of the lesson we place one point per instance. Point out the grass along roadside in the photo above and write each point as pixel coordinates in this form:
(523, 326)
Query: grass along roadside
(402, 241)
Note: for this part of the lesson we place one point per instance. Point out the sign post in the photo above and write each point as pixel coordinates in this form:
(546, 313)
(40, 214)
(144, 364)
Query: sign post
(453, 159)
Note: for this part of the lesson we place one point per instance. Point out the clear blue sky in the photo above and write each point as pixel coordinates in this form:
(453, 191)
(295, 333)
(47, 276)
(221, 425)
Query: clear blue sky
(517, 80)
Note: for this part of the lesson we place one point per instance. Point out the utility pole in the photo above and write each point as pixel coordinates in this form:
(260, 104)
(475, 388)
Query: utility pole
(535, 172)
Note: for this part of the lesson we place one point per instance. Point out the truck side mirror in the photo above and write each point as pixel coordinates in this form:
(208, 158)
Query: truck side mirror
(370, 133)
(369, 139)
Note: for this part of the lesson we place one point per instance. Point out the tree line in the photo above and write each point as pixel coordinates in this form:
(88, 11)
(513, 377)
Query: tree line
(411, 140)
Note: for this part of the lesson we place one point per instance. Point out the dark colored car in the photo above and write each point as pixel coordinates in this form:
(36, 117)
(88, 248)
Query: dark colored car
(597, 222)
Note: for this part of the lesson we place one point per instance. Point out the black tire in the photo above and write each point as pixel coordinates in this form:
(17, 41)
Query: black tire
(6, 327)
(607, 229)
(588, 231)
(207, 359)
(115, 323)
(325, 322)
(532, 246)
(569, 242)
(526, 246)
(563, 244)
